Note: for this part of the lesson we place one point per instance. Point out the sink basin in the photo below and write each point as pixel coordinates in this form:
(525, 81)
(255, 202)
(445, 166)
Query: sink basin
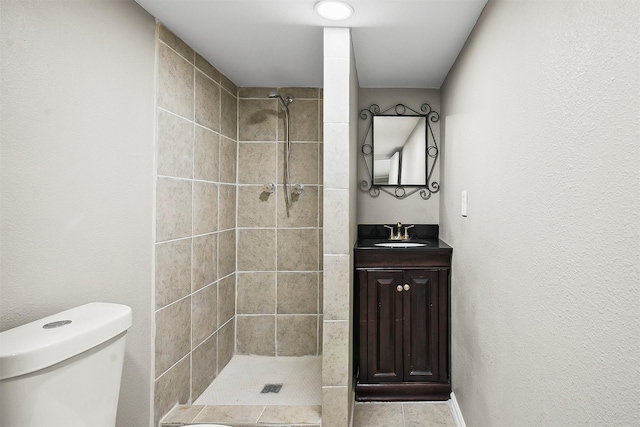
(400, 244)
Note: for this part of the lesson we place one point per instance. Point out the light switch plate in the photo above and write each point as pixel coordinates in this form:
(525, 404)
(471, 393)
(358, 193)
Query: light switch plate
(464, 204)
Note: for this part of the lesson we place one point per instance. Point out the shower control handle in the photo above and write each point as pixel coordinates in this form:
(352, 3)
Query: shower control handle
(269, 187)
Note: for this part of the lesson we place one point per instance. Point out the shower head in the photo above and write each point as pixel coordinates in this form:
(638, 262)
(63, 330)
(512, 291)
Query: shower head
(283, 101)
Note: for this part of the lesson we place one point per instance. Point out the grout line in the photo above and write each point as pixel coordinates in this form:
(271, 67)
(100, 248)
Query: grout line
(171, 367)
(172, 303)
(180, 178)
(193, 196)
(192, 62)
(276, 228)
(201, 411)
(264, 408)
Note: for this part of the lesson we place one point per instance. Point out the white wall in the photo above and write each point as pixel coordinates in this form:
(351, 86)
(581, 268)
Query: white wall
(77, 169)
(541, 126)
(386, 209)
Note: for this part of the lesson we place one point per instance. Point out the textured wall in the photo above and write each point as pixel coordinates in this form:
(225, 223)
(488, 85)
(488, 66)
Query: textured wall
(279, 262)
(541, 126)
(195, 223)
(77, 170)
(386, 208)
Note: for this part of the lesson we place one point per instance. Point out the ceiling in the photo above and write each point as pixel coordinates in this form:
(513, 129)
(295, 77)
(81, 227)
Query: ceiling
(278, 43)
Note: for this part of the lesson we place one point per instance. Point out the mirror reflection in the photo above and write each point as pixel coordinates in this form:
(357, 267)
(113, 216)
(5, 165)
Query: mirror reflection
(399, 150)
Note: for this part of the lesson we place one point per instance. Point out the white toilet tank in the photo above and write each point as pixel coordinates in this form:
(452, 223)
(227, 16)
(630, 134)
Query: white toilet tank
(65, 369)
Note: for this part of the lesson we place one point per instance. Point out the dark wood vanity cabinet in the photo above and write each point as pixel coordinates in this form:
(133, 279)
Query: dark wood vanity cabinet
(402, 328)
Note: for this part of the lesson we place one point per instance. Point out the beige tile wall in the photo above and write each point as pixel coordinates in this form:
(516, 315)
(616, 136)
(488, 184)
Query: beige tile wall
(279, 309)
(340, 115)
(196, 148)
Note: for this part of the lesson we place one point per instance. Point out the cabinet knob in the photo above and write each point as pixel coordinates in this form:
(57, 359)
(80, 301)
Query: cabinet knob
(399, 288)
(407, 287)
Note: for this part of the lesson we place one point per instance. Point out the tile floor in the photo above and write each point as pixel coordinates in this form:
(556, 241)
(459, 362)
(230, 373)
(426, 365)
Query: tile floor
(245, 415)
(403, 414)
(235, 399)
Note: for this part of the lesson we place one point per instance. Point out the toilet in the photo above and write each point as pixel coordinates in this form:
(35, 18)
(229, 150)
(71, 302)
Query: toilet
(65, 369)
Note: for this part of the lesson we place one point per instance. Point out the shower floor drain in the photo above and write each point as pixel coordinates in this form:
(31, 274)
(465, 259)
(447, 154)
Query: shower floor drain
(271, 388)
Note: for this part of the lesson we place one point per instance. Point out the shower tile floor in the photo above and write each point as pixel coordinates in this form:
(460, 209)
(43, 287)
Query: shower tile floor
(244, 377)
(235, 397)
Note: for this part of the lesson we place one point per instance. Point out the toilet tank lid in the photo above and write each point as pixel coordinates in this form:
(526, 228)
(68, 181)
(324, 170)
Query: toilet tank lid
(45, 342)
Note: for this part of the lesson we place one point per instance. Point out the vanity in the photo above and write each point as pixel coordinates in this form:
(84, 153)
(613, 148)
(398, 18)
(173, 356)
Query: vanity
(402, 313)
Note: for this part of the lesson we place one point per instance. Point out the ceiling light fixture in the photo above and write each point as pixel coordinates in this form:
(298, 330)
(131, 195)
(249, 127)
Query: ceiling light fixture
(334, 10)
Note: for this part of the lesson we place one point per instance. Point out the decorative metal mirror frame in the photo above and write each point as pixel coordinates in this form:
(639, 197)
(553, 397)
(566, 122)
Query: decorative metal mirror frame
(400, 191)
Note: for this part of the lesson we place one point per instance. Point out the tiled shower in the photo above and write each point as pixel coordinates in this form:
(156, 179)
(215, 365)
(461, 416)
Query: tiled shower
(217, 146)
(278, 270)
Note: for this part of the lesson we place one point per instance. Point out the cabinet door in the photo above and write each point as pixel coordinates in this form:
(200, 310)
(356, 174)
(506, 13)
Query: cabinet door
(384, 326)
(420, 323)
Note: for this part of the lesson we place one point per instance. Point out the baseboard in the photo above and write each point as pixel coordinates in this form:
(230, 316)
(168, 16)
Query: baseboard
(457, 413)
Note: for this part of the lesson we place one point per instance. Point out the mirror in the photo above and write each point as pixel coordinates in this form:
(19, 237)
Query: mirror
(399, 150)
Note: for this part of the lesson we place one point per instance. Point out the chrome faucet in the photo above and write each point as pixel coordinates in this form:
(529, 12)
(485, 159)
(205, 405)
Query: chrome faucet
(398, 235)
